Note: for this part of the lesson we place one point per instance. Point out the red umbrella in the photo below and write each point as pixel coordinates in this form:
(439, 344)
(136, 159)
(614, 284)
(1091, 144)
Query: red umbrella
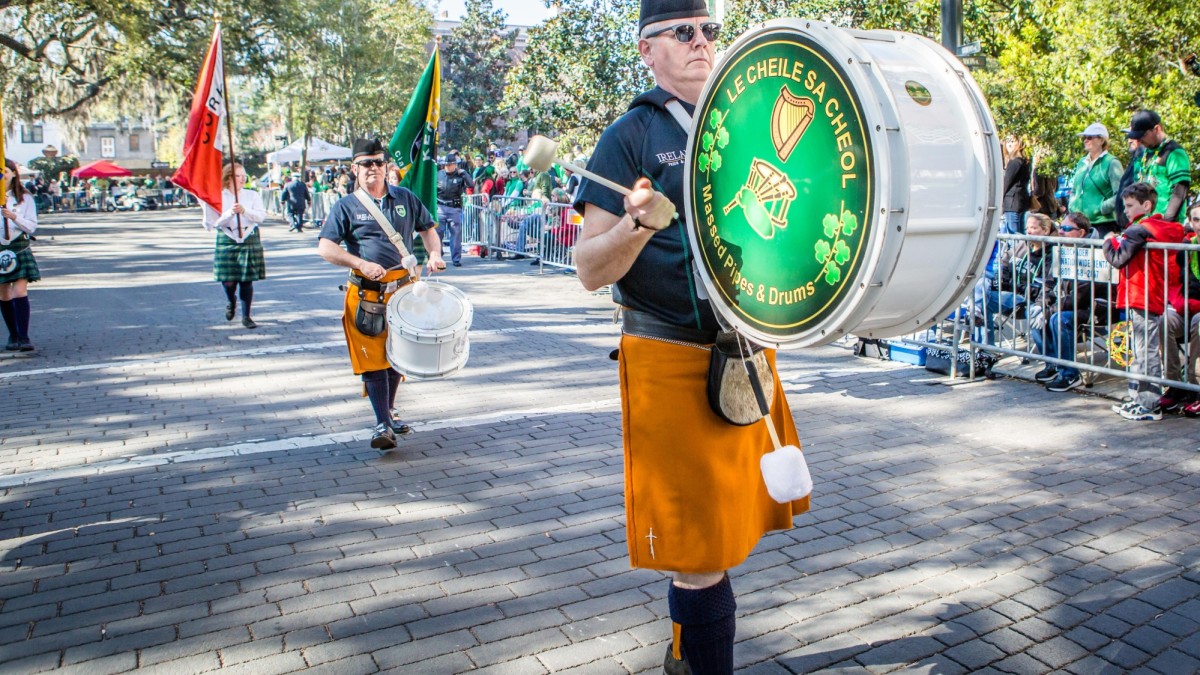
(100, 169)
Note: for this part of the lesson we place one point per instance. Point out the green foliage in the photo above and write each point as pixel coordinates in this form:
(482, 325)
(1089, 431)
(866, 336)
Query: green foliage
(476, 59)
(52, 167)
(580, 70)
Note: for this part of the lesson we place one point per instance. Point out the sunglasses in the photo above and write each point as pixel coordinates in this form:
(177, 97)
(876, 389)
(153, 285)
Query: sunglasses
(372, 162)
(1090, 138)
(684, 32)
(1067, 228)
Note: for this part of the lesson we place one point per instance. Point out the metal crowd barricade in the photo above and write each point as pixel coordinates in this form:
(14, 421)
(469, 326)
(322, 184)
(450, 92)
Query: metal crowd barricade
(557, 243)
(1015, 318)
(514, 225)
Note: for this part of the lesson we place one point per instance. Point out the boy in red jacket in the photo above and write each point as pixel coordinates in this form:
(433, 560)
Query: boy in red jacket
(1142, 292)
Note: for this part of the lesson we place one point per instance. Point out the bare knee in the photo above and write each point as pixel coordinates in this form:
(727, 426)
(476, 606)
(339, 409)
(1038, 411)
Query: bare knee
(697, 581)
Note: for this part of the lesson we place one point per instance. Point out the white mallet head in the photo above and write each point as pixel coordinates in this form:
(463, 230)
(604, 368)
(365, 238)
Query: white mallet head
(409, 262)
(420, 289)
(540, 153)
(786, 474)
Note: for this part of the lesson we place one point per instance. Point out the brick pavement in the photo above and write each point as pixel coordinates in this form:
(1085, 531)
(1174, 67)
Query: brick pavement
(178, 494)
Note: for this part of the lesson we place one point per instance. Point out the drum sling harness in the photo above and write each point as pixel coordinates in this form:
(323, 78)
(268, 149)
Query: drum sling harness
(371, 316)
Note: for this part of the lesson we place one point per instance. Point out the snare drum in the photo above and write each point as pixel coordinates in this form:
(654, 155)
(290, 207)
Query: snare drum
(427, 331)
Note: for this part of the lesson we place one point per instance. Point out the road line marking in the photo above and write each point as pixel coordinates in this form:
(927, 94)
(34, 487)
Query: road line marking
(257, 351)
(284, 444)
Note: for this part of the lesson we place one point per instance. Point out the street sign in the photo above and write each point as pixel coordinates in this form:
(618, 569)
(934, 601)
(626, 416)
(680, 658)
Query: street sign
(160, 165)
(969, 49)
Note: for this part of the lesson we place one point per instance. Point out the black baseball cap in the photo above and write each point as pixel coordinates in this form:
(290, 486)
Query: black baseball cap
(1143, 121)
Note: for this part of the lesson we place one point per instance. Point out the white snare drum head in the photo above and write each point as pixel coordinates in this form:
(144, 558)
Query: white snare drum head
(427, 331)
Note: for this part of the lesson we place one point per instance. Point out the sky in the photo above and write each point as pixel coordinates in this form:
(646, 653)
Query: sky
(520, 12)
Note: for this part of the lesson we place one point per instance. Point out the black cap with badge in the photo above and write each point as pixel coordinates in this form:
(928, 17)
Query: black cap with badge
(664, 10)
(367, 146)
(1143, 121)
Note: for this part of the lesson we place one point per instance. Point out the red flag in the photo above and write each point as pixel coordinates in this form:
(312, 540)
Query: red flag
(200, 172)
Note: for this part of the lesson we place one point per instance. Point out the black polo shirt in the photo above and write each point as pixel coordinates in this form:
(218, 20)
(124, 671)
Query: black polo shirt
(350, 222)
(647, 141)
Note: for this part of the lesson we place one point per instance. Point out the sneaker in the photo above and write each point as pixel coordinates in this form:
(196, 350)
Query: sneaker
(383, 438)
(1124, 405)
(1174, 400)
(1139, 414)
(1192, 409)
(1047, 374)
(248, 322)
(1062, 383)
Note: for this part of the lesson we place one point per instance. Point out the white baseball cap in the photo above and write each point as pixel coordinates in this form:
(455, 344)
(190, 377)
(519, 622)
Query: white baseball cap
(1095, 129)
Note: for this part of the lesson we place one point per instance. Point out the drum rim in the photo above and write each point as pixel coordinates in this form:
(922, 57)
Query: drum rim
(461, 325)
(840, 47)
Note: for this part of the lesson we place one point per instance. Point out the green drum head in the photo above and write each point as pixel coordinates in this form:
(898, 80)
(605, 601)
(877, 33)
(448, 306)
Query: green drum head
(780, 186)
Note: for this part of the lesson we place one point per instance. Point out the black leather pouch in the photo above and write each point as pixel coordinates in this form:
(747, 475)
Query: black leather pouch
(371, 317)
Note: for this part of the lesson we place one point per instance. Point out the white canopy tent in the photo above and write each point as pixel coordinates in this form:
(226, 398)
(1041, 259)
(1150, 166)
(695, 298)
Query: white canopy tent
(318, 151)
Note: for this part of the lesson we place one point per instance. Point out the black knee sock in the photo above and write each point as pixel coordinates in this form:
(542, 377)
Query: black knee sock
(246, 293)
(21, 317)
(10, 317)
(376, 382)
(708, 621)
(230, 290)
(393, 386)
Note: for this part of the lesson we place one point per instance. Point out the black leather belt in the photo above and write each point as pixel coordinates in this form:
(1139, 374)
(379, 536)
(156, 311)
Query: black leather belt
(377, 286)
(644, 324)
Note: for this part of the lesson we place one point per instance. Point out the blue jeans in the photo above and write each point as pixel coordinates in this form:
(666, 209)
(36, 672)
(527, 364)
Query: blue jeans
(451, 219)
(1057, 339)
(1013, 223)
(530, 225)
(1002, 302)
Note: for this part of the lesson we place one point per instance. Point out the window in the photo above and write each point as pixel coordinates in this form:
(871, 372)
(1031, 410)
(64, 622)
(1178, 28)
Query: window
(108, 146)
(135, 143)
(31, 133)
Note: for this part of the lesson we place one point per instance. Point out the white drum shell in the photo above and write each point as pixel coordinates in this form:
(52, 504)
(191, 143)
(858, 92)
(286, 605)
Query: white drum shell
(937, 168)
(426, 354)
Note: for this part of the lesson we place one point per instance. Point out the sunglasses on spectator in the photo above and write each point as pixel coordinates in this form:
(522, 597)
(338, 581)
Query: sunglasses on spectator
(1067, 228)
(684, 32)
(372, 162)
(1090, 138)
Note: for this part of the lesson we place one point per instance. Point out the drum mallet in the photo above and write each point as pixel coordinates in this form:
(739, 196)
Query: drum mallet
(784, 470)
(541, 153)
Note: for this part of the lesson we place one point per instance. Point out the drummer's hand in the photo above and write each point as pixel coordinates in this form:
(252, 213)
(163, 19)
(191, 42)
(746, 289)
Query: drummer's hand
(652, 209)
(435, 263)
(239, 209)
(372, 270)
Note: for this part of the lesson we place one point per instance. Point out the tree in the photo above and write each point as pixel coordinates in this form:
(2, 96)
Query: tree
(477, 56)
(580, 71)
(58, 57)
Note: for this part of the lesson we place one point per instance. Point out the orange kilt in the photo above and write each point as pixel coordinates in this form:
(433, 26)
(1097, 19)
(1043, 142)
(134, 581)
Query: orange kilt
(366, 353)
(692, 480)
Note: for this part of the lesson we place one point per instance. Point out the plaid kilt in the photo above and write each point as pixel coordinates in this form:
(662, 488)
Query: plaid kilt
(239, 262)
(26, 266)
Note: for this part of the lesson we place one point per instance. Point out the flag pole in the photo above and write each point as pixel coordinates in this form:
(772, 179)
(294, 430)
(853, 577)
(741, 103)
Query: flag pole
(3, 166)
(229, 130)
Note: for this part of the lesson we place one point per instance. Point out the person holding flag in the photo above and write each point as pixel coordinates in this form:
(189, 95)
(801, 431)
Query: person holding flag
(234, 212)
(238, 260)
(376, 224)
(17, 265)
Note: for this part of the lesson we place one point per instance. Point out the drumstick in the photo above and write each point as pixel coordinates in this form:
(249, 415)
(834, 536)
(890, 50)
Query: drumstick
(541, 153)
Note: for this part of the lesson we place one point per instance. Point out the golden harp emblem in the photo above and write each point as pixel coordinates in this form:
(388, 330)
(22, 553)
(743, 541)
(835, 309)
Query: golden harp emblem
(789, 120)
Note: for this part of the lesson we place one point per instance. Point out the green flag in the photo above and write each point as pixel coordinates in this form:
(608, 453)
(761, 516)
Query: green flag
(414, 145)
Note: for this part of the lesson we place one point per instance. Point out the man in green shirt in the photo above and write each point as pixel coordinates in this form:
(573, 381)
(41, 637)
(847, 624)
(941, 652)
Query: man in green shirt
(1164, 164)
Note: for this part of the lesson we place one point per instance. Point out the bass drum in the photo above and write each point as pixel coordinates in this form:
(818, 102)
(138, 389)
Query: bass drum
(427, 330)
(839, 182)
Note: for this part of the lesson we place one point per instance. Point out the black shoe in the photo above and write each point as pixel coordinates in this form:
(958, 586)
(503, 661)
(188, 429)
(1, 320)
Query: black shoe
(13, 344)
(400, 428)
(247, 322)
(536, 262)
(383, 438)
(674, 666)
(24, 345)
(1063, 383)
(458, 264)
(292, 229)
(229, 312)
(1047, 374)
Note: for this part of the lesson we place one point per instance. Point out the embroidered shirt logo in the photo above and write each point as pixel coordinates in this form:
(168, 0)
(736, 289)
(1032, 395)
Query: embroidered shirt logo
(401, 211)
(673, 158)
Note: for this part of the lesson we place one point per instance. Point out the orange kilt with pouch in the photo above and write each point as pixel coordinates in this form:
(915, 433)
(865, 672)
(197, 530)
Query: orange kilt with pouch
(367, 353)
(692, 480)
